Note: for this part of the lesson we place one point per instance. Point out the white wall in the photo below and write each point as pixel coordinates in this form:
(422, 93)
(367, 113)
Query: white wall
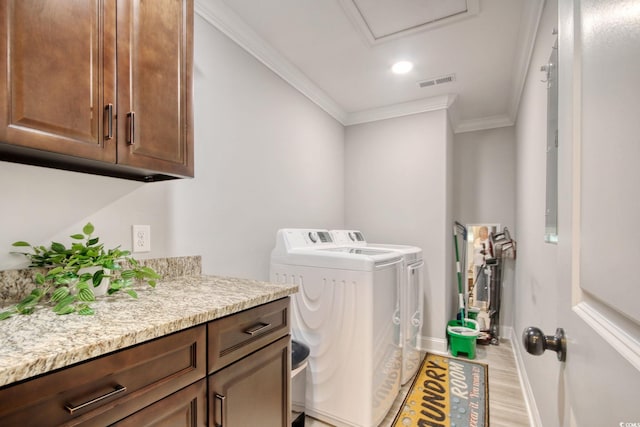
(536, 295)
(484, 192)
(266, 157)
(397, 190)
(484, 186)
(40, 205)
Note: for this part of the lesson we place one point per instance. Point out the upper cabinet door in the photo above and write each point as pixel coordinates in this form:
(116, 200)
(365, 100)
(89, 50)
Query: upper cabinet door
(155, 55)
(60, 76)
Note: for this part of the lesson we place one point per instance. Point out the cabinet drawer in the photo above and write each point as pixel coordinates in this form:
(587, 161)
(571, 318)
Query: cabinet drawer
(237, 335)
(107, 389)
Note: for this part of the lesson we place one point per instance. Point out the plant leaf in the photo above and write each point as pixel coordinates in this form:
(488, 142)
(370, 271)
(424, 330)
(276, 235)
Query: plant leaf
(132, 293)
(6, 314)
(77, 236)
(58, 247)
(86, 295)
(85, 310)
(88, 229)
(64, 303)
(97, 277)
(26, 300)
(26, 305)
(67, 309)
(39, 279)
(93, 241)
(21, 243)
(85, 277)
(110, 265)
(60, 294)
(128, 274)
(82, 285)
(55, 271)
(150, 272)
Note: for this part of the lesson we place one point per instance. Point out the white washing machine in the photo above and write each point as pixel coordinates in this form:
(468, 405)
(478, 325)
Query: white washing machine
(344, 312)
(411, 296)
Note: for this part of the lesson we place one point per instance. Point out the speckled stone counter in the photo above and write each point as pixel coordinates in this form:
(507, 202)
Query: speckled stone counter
(38, 343)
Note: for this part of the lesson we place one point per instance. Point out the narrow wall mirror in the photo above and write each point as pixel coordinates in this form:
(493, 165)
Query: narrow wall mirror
(551, 209)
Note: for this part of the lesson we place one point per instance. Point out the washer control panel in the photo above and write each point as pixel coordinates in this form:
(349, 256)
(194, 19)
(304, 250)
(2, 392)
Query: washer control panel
(348, 237)
(300, 238)
(319, 237)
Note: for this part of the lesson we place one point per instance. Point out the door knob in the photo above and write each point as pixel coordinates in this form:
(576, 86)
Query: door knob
(536, 342)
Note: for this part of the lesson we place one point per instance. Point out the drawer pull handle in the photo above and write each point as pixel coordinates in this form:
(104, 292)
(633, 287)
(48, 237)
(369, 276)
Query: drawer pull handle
(117, 389)
(220, 398)
(257, 328)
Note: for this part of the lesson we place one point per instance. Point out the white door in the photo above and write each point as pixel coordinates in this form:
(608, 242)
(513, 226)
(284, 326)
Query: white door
(599, 212)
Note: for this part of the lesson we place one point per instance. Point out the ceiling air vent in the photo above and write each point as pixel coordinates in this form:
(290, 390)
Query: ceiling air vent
(437, 81)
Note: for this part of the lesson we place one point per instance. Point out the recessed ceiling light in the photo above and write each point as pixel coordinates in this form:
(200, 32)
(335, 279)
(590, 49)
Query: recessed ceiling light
(402, 67)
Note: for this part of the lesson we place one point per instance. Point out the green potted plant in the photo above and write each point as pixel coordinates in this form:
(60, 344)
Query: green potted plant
(72, 275)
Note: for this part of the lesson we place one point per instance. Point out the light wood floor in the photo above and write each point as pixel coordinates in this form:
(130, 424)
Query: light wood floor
(506, 399)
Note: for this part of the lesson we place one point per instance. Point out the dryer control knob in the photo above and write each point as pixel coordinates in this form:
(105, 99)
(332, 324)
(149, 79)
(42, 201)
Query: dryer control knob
(313, 236)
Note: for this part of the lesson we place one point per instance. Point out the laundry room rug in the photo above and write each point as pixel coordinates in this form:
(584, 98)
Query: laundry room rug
(447, 392)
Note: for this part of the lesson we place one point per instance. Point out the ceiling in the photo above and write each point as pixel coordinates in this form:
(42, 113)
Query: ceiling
(339, 53)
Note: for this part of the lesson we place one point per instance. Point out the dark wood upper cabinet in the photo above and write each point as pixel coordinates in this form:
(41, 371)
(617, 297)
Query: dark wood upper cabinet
(154, 84)
(100, 86)
(58, 76)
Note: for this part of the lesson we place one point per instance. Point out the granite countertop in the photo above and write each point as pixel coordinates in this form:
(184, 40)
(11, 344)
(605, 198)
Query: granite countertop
(41, 342)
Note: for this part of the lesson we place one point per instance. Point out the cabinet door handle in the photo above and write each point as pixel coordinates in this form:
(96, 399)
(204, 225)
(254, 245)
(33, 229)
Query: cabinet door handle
(108, 111)
(220, 399)
(132, 127)
(257, 328)
(116, 390)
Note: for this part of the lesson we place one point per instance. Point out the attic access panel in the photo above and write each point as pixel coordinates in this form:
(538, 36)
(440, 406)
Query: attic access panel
(380, 20)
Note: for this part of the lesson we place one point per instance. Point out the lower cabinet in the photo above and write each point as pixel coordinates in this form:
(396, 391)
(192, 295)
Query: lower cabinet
(253, 391)
(102, 391)
(231, 372)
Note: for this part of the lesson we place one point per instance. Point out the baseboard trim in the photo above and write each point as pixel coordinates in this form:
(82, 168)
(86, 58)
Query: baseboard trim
(529, 398)
(433, 345)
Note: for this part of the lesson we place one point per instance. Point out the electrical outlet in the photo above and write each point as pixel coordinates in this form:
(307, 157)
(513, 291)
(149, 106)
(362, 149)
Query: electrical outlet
(141, 238)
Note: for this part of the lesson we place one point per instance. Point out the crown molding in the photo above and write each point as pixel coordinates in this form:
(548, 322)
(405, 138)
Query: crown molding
(218, 14)
(483, 123)
(460, 126)
(402, 109)
(526, 42)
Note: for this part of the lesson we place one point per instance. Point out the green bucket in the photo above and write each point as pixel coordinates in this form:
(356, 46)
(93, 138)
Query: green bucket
(473, 313)
(462, 337)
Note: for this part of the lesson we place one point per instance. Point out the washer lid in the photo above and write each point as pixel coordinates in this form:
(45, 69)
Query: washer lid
(359, 251)
(337, 259)
(410, 253)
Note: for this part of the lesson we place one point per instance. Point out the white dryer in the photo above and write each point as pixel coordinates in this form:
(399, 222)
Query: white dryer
(411, 295)
(344, 312)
